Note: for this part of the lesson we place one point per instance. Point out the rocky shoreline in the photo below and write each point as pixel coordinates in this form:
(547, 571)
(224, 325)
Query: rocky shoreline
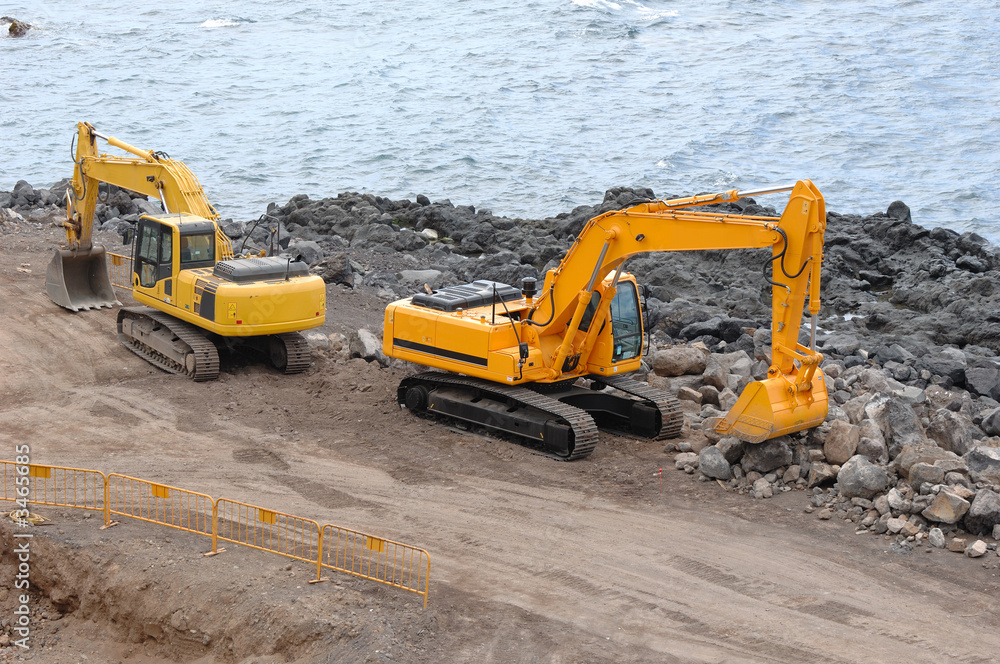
(911, 447)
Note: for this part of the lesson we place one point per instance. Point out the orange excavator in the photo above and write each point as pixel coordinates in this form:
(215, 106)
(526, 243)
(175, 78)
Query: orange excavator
(536, 365)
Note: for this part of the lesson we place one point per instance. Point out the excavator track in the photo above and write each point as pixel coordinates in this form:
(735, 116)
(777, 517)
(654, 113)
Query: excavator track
(503, 405)
(671, 417)
(170, 344)
(293, 355)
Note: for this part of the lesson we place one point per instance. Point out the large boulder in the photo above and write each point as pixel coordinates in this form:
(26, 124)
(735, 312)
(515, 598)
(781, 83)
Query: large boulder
(367, 346)
(860, 478)
(712, 462)
(335, 269)
(921, 473)
(991, 423)
(841, 442)
(984, 464)
(984, 513)
(948, 362)
(306, 250)
(767, 456)
(947, 507)
(732, 448)
(923, 453)
(951, 431)
(897, 421)
(679, 361)
(984, 379)
(715, 373)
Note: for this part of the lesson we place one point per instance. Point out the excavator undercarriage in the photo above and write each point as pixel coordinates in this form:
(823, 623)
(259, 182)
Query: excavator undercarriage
(561, 421)
(181, 348)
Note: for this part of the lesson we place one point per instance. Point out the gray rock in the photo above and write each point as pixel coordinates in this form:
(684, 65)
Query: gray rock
(712, 462)
(727, 399)
(678, 361)
(859, 477)
(991, 423)
(976, 549)
(873, 450)
(792, 474)
(951, 431)
(709, 395)
(306, 250)
(903, 425)
(984, 379)
(731, 448)
(996, 532)
(367, 346)
(894, 525)
(855, 408)
(821, 473)
(925, 453)
(952, 465)
(841, 442)
(897, 501)
(232, 229)
(984, 513)
(841, 343)
(984, 464)
(881, 503)
(420, 277)
(768, 455)
(949, 362)
(925, 472)
(946, 507)
(715, 373)
(335, 269)
(936, 538)
(686, 459)
(762, 489)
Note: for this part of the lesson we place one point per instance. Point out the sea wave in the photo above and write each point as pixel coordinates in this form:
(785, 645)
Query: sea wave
(221, 23)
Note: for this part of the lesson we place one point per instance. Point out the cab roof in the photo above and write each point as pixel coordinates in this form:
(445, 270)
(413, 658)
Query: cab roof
(187, 223)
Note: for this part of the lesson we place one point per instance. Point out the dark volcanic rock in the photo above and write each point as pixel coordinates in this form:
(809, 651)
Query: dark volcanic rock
(767, 456)
(984, 513)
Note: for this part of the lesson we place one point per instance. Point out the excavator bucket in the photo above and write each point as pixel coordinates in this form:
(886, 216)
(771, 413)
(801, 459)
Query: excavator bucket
(78, 279)
(773, 407)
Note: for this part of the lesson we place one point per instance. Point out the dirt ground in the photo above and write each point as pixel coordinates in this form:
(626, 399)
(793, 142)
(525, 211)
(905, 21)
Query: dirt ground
(532, 559)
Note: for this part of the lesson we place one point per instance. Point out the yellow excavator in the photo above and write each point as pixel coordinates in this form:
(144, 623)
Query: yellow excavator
(198, 296)
(536, 366)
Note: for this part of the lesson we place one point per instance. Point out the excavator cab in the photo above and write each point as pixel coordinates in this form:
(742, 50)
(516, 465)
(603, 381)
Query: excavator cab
(78, 279)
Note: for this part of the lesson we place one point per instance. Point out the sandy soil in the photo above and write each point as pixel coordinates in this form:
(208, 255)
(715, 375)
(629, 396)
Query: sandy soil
(533, 559)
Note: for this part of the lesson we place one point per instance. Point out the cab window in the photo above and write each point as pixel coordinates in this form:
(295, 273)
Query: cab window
(626, 323)
(197, 248)
(153, 251)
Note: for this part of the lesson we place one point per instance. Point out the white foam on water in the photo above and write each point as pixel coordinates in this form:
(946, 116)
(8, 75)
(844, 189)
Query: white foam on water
(219, 23)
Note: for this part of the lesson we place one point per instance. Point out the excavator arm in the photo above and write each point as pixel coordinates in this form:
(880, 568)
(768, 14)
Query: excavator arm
(793, 397)
(77, 277)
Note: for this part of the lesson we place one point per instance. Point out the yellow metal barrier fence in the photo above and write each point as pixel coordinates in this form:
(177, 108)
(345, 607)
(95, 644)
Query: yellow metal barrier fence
(392, 563)
(267, 530)
(339, 549)
(57, 486)
(120, 270)
(159, 503)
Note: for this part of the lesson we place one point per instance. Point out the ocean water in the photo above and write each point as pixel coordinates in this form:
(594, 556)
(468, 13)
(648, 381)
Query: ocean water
(525, 108)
